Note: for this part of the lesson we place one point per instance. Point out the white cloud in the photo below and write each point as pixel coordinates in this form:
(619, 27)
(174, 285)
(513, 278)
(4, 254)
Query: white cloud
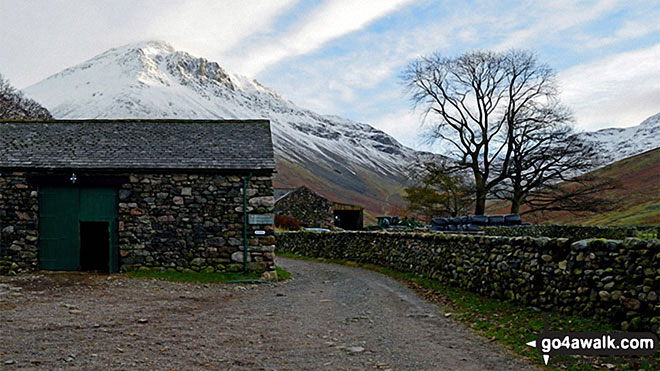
(630, 30)
(46, 36)
(551, 18)
(210, 27)
(619, 90)
(329, 21)
(403, 124)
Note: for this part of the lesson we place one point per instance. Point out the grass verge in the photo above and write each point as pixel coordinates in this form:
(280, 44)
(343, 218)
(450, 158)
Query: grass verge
(282, 275)
(507, 323)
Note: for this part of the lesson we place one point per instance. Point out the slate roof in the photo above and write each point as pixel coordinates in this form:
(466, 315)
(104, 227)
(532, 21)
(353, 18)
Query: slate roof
(137, 144)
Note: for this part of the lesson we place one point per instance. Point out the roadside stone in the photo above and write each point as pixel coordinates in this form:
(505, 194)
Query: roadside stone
(269, 276)
(355, 349)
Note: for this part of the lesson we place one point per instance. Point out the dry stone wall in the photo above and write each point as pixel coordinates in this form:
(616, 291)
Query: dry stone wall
(193, 221)
(616, 281)
(167, 221)
(19, 223)
(573, 232)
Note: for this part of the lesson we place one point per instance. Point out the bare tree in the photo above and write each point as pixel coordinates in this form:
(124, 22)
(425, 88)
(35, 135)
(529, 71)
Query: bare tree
(546, 162)
(481, 100)
(15, 106)
(577, 195)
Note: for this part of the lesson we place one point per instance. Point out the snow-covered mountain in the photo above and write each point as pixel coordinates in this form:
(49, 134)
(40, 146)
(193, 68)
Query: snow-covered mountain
(342, 159)
(619, 143)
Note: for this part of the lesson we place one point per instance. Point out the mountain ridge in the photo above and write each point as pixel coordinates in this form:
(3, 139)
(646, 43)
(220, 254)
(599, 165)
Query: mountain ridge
(620, 143)
(344, 160)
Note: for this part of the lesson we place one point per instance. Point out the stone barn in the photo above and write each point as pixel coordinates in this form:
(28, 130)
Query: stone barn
(313, 210)
(116, 195)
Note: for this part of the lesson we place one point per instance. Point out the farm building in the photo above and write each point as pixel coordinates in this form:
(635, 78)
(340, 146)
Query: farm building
(110, 195)
(313, 210)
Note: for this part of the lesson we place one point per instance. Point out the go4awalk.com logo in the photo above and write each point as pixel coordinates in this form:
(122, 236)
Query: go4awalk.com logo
(595, 343)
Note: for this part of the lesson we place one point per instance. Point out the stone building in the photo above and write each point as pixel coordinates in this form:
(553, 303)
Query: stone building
(114, 195)
(313, 210)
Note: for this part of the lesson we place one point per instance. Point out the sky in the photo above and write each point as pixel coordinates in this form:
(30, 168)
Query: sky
(346, 57)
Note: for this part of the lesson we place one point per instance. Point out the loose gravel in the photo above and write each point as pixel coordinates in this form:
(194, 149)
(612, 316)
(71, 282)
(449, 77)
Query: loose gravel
(328, 317)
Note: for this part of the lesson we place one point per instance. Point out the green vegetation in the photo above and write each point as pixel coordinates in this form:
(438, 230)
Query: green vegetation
(505, 322)
(203, 277)
(632, 215)
(440, 194)
(282, 274)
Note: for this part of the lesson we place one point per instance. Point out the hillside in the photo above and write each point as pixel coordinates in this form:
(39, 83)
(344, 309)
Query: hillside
(638, 196)
(343, 160)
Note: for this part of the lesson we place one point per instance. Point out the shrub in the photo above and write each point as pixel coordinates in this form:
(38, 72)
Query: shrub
(287, 222)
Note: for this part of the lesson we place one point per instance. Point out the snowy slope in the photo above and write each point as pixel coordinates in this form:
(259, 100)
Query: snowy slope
(351, 161)
(345, 160)
(619, 143)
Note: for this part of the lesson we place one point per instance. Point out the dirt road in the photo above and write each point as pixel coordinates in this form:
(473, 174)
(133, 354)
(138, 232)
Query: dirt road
(328, 317)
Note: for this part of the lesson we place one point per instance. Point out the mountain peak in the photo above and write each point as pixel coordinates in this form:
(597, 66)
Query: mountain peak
(150, 47)
(651, 121)
(151, 79)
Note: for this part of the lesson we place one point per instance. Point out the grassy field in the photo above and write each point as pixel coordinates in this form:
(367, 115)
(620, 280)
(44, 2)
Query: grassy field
(510, 324)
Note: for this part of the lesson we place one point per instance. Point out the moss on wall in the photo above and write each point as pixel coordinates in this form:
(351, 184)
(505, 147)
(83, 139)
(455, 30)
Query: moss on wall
(574, 232)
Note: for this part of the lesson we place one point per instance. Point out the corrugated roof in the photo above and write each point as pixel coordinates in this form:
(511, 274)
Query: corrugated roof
(137, 144)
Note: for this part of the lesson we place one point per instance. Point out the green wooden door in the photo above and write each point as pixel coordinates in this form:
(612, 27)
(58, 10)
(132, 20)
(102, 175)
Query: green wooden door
(100, 205)
(61, 209)
(59, 248)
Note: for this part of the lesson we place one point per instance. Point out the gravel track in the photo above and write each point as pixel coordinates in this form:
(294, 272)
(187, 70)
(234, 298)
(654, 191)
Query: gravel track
(328, 317)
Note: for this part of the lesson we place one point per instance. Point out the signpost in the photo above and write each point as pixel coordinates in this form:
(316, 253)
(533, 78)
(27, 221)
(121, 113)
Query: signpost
(261, 219)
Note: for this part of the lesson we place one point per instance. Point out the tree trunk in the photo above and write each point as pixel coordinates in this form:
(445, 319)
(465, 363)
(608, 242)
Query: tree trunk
(515, 205)
(480, 206)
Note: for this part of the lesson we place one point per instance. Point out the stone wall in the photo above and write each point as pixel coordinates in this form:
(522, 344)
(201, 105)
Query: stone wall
(573, 232)
(307, 207)
(180, 221)
(193, 221)
(19, 223)
(616, 281)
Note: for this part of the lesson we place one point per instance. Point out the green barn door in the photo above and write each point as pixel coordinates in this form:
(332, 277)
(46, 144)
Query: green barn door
(62, 213)
(58, 229)
(100, 205)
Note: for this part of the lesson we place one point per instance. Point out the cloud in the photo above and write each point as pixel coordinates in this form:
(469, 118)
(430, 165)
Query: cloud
(326, 22)
(211, 27)
(630, 30)
(619, 90)
(551, 18)
(403, 124)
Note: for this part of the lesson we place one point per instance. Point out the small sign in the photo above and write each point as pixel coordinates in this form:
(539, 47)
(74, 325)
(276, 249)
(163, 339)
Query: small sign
(260, 232)
(261, 219)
